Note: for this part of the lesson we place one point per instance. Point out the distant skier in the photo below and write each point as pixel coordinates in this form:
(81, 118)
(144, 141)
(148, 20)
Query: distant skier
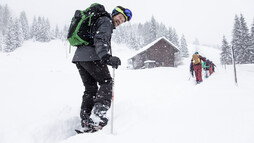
(196, 63)
(206, 68)
(213, 66)
(91, 61)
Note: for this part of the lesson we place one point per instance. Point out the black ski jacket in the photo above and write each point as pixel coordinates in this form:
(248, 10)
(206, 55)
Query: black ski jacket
(102, 29)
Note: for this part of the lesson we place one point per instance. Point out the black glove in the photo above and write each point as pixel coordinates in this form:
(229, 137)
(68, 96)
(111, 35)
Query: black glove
(111, 60)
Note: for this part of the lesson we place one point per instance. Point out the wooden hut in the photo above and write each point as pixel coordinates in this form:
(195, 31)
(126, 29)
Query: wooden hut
(160, 53)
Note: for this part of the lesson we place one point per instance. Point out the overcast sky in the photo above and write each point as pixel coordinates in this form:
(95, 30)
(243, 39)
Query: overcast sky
(207, 20)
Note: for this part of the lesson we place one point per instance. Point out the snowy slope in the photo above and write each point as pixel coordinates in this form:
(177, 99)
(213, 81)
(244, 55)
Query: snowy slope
(41, 94)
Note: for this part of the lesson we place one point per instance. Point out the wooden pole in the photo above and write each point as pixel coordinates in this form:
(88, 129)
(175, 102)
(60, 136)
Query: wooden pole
(233, 58)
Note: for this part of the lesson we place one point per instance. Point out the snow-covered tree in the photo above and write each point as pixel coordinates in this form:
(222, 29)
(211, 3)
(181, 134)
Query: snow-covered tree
(10, 40)
(40, 29)
(25, 25)
(19, 33)
(47, 31)
(14, 35)
(64, 33)
(5, 19)
(139, 35)
(167, 34)
(162, 31)
(1, 42)
(146, 33)
(1, 20)
(1, 27)
(117, 35)
(40, 35)
(153, 30)
(251, 48)
(241, 41)
(13, 31)
(34, 29)
(236, 43)
(57, 32)
(184, 47)
(226, 54)
(245, 40)
(133, 42)
(175, 39)
(170, 34)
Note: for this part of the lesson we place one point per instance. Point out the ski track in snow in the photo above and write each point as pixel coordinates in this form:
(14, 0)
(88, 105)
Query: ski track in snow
(42, 94)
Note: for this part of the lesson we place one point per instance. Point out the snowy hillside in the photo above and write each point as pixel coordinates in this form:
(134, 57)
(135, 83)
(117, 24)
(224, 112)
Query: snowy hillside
(41, 94)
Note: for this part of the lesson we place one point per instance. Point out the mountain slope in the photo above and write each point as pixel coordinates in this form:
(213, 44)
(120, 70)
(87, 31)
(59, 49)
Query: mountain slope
(42, 94)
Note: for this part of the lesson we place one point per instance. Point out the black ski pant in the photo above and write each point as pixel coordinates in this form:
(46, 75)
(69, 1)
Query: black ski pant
(98, 84)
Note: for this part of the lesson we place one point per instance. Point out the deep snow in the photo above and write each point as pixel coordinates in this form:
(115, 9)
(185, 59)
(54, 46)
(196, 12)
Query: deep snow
(41, 93)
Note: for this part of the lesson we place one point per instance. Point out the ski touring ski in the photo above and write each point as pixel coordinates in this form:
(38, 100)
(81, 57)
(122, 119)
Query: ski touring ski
(92, 130)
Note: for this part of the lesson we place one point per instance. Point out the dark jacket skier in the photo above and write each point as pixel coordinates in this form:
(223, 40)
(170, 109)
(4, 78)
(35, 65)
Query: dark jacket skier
(92, 61)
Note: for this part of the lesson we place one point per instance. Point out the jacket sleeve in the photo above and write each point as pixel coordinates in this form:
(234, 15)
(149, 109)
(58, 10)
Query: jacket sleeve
(203, 59)
(102, 37)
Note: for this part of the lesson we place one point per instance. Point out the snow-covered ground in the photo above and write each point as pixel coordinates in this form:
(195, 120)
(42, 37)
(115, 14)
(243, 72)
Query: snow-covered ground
(41, 93)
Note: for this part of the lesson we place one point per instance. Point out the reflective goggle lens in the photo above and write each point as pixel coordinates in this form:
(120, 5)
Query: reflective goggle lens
(128, 13)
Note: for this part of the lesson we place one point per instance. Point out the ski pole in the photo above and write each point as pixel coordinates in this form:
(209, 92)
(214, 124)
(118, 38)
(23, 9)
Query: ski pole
(112, 104)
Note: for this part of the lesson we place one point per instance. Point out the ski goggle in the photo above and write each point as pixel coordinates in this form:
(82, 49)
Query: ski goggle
(127, 13)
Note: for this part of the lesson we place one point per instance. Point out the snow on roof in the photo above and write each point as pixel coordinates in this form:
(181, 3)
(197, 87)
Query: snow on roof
(151, 44)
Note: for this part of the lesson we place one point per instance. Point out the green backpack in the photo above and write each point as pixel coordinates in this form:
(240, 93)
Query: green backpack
(80, 31)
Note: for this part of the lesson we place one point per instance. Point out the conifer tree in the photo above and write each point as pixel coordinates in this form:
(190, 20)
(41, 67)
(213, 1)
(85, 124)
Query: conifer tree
(162, 31)
(152, 30)
(251, 49)
(146, 33)
(1, 27)
(1, 42)
(116, 36)
(142, 34)
(19, 35)
(64, 33)
(10, 40)
(47, 31)
(57, 33)
(175, 39)
(170, 34)
(236, 43)
(184, 47)
(1, 20)
(226, 54)
(133, 42)
(140, 31)
(245, 40)
(34, 29)
(25, 25)
(39, 35)
(127, 34)
(43, 30)
(5, 19)
(241, 41)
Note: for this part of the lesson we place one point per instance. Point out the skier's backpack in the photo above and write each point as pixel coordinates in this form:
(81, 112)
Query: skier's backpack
(80, 31)
(196, 59)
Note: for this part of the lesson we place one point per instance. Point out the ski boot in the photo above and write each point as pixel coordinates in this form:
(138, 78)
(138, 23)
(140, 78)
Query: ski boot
(86, 122)
(99, 116)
